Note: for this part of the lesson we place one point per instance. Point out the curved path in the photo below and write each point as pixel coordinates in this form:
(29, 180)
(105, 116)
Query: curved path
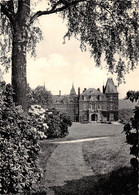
(67, 163)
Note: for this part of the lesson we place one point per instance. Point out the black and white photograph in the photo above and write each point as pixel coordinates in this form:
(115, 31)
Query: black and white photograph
(69, 97)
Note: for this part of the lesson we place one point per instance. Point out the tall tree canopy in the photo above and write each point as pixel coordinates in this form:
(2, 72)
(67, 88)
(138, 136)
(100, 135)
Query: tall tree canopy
(109, 28)
(43, 97)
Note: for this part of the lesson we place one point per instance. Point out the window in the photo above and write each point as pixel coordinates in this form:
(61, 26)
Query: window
(111, 98)
(111, 107)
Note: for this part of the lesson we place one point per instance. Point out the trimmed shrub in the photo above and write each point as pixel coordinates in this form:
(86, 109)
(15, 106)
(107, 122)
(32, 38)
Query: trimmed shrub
(19, 146)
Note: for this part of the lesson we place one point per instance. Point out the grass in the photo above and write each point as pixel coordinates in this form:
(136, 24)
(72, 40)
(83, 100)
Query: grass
(121, 181)
(45, 153)
(82, 131)
(105, 155)
(109, 159)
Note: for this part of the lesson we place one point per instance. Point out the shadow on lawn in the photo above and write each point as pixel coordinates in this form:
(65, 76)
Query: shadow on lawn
(121, 181)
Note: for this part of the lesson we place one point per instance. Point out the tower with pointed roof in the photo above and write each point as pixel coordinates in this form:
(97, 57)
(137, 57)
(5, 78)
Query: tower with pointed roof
(91, 105)
(112, 100)
(72, 91)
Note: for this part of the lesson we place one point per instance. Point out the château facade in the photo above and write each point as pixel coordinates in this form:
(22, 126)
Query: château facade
(91, 104)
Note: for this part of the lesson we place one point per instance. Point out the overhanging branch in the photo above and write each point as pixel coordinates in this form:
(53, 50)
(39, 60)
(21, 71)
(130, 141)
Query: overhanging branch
(55, 8)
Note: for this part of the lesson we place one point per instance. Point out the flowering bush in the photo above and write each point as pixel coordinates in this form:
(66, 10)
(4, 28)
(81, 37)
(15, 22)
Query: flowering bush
(49, 123)
(19, 146)
(38, 116)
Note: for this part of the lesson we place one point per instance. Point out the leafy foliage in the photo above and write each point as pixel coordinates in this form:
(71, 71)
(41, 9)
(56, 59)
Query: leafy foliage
(124, 115)
(37, 114)
(43, 97)
(19, 146)
(58, 124)
(132, 131)
(109, 28)
(34, 34)
(39, 96)
(132, 96)
(48, 122)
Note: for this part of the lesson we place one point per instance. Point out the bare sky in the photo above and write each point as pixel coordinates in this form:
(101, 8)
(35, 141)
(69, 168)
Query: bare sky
(59, 65)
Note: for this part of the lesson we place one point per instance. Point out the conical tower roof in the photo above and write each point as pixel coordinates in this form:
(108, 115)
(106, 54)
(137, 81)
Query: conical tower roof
(72, 91)
(110, 87)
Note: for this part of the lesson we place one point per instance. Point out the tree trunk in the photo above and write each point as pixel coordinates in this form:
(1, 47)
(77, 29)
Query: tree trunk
(19, 80)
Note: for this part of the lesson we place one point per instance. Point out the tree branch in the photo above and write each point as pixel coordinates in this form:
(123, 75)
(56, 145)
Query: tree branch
(8, 12)
(66, 5)
(54, 9)
(100, 5)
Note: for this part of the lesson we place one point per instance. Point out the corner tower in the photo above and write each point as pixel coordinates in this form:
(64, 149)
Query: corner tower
(111, 93)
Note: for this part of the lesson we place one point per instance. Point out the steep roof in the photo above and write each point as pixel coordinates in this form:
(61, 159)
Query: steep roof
(72, 91)
(110, 87)
(61, 98)
(91, 91)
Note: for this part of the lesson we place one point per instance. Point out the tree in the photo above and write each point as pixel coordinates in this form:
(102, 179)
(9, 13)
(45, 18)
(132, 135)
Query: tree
(132, 130)
(109, 27)
(42, 97)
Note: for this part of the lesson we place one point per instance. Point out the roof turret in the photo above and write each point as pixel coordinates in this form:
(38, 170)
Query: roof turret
(110, 87)
(72, 91)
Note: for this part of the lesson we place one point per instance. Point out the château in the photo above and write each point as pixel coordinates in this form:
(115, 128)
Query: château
(91, 104)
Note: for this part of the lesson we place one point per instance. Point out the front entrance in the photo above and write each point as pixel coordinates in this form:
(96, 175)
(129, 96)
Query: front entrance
(94, 117)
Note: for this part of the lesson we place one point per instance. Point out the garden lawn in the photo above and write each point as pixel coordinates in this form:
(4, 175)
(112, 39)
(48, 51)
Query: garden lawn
(90, 130)
(95, 167)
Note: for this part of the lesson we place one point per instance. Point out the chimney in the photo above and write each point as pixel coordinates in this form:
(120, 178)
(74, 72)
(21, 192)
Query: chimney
(103, 89)
(84, 90)
(59, 92)
(78, 91)
(116, 87)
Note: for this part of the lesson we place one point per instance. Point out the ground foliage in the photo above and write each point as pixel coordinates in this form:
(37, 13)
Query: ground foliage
(58, 124)
(132, 130)
(46, 119)
(20, 133)
(19, 146)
